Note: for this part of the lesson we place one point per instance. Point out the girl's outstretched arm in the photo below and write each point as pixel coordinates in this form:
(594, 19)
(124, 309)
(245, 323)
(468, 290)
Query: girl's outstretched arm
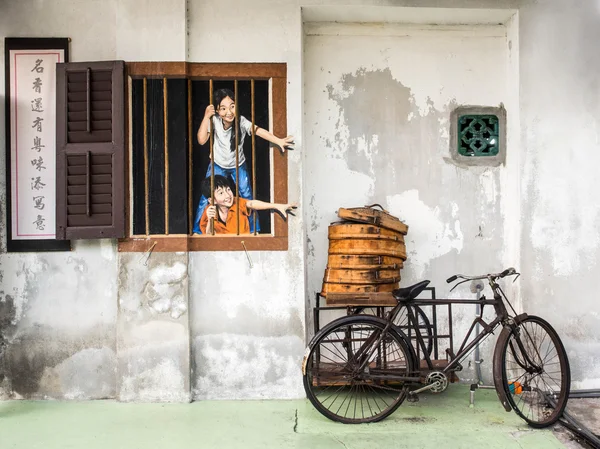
(284, 144)
(203, 131)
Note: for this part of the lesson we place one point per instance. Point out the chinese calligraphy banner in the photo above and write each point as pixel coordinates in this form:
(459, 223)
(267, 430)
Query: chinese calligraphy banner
(31, 142)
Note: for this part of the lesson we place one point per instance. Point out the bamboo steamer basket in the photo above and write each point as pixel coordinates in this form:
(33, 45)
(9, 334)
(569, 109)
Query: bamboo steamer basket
(374, 276)
(341, 231)
(370, 215)
(357, 288)
(363, 262)
(376, 247)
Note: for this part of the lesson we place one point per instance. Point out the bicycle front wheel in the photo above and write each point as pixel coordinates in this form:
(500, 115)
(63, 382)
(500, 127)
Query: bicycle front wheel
(535, 372)
(352, 371)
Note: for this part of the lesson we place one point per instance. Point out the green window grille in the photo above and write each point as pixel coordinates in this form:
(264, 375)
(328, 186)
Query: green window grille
(478, 135)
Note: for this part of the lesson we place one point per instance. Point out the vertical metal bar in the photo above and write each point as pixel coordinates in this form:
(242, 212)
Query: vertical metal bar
(88, 93)
(237, 160)
(435, 328)
(166, 152)
(317, 311)
(450, 327)
(212, 159)
(315, 320)
(146, 193)
(190, 147)
(88, 188)
(409, 326)
(254, 213)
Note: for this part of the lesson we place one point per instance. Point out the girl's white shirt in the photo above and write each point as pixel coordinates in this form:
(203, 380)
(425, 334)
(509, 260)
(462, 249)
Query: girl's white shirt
(222, 154)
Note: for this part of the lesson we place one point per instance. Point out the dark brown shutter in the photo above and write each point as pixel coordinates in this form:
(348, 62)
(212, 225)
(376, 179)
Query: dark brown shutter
(90, 145)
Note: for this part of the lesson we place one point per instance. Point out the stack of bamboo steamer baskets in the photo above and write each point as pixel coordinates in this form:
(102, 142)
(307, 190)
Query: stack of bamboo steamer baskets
(366, 252)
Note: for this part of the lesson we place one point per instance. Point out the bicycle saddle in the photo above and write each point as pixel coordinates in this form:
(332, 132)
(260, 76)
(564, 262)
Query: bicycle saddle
(407, 294)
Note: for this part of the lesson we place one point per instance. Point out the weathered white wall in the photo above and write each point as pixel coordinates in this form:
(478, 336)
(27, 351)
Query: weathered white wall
(247, 326)
(377, 107)
(561, 154)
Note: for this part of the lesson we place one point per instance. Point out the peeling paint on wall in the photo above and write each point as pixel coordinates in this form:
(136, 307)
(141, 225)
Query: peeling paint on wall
(383, 137)
(153, 358)
(430, 236)
(163, 292)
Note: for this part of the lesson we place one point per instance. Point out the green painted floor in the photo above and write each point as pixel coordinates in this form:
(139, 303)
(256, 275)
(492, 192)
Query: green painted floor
(436, 421)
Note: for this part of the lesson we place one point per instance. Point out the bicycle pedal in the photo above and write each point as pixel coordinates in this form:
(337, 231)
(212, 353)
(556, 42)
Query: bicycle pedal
(412, 398)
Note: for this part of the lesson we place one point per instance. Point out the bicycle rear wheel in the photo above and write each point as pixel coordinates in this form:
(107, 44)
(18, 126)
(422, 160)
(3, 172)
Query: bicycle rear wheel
(334, 382)
(535, 372)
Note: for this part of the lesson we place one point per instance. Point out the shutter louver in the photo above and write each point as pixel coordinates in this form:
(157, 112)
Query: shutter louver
(91, 150)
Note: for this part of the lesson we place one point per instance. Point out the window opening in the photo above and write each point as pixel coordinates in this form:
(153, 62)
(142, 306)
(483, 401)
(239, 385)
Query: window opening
(169, 165)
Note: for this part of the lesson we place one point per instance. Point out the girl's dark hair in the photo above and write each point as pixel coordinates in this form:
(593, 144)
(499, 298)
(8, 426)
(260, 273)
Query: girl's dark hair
(219, 95)
(220, 181)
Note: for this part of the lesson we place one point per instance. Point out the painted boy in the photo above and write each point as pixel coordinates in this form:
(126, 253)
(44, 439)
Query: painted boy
(224, 209)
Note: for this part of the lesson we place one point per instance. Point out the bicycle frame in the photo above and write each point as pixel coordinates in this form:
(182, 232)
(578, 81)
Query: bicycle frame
(502, 318)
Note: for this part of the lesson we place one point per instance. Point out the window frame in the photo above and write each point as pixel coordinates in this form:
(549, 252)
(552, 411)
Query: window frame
(278, 239)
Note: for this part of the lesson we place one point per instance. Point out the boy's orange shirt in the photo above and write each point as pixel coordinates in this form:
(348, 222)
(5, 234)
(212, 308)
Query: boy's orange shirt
(230, 225)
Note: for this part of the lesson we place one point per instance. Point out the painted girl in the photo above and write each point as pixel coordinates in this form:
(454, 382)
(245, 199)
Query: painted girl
(224, 152)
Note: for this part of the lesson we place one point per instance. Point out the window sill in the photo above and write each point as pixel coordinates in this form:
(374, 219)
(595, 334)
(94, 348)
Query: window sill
(187, 243)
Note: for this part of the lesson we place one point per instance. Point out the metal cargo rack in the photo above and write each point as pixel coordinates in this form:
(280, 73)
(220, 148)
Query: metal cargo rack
(380, 303)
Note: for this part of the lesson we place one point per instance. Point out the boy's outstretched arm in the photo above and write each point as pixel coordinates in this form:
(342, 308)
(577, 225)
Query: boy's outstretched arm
(284, 144)
(283, 209)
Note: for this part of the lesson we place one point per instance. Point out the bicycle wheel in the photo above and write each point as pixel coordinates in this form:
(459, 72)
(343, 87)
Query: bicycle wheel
(535, 371)
(334, 381)
(401, 321)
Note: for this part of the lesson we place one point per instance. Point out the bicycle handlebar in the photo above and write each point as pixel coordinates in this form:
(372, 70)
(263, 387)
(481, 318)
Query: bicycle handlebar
(508, 272)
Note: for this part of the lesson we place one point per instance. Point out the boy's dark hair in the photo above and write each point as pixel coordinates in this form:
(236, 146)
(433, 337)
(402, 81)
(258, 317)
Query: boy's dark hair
(220, 181)
(219, 95)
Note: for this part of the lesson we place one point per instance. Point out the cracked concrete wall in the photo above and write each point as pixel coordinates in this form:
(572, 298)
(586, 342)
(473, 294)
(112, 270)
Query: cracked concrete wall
(247, 325)
(58, 311)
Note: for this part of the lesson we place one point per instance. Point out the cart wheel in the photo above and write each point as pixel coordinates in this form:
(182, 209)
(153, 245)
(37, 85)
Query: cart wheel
(334, 381)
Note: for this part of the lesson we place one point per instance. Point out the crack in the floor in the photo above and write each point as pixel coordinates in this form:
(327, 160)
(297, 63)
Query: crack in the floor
(296, 422)
(518, 434)
(339, 441)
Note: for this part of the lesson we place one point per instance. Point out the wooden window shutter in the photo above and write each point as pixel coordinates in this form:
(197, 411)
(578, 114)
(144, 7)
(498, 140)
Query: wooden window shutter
(90, 145)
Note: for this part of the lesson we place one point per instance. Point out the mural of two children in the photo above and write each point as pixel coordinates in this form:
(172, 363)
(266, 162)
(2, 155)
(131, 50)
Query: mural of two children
(223, 123)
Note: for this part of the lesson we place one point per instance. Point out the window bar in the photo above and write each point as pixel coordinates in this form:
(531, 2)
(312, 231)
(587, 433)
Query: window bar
(190, 146)
(166, 150)
(212, 160)
(253, 155)
(146, 193)
(237, 160)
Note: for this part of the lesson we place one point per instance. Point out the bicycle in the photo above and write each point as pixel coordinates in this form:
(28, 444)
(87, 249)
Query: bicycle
(360, 369)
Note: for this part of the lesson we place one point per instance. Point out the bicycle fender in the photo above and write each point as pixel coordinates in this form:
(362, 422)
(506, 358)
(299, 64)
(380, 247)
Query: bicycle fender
(497, 368)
